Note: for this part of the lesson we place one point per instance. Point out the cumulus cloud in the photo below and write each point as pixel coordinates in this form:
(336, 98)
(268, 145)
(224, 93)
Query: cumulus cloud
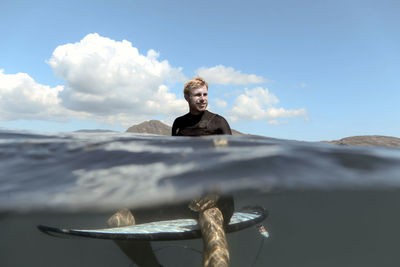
(228, 76)
(23, 98)
(106, 80)
(259, 104)
(220, 103)
(112, 80)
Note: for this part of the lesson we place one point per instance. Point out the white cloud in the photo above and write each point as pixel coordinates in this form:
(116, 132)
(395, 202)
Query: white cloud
(107, 80)
(22, 98)
(220, 103)
(228, 76)
(110, 81)
(259, 104)
(113, 81)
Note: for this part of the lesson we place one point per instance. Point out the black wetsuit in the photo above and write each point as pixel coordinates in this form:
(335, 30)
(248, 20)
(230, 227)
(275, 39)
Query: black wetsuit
(206, 123)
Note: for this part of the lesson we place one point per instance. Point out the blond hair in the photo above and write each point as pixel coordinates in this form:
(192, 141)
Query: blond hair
(194, 83)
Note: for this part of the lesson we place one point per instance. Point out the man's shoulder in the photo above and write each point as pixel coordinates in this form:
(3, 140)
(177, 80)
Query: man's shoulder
(214, 116)
(219, 124)
(183, 117)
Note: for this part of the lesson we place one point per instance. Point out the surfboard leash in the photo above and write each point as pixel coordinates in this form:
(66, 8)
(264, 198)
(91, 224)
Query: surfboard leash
(178, 246)
(261, 229)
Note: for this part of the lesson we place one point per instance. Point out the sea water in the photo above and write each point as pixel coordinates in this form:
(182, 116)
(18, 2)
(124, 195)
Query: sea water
(328, 205)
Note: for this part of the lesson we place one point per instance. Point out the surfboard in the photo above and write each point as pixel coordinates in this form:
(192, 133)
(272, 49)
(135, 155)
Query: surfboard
(179, 229)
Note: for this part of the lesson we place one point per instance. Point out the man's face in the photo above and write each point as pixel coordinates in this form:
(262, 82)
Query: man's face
(198, 100)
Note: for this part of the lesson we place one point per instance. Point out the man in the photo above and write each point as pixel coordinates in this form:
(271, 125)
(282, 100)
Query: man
(214, 211)
(199, 121)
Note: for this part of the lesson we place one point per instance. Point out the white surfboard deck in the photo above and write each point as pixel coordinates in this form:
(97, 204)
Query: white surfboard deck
(162, 230)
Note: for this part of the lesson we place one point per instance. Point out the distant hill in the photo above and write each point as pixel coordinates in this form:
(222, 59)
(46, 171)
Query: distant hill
(157, 127)
(368, 140)
(234, 132)
(151, 127)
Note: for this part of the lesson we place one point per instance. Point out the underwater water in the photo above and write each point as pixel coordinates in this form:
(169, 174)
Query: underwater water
(328, 205)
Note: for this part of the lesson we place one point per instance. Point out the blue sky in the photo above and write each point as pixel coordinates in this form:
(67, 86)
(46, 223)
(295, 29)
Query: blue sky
(304, 70)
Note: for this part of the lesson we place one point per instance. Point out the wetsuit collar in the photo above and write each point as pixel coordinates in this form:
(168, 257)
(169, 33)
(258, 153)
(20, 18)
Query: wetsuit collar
(197, 115)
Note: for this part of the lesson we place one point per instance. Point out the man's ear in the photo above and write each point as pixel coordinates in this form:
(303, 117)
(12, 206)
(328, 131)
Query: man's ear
(187, 97)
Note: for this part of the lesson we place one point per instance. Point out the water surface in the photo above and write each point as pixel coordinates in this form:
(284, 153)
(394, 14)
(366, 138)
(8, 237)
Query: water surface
(328, 205)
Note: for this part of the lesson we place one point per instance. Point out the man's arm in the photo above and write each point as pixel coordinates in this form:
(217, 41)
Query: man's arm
(224, 127)
(174, 128)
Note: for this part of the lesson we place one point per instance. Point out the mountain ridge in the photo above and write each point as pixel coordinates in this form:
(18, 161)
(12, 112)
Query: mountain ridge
(160, 128)
(367, 140)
